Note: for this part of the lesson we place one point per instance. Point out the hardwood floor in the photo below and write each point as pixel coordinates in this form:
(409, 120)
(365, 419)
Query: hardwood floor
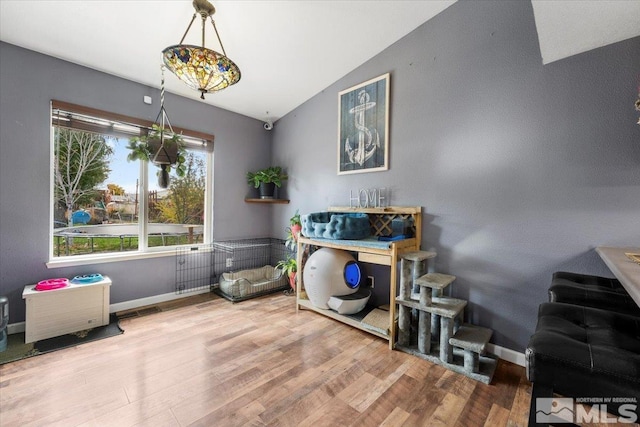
(255, 363)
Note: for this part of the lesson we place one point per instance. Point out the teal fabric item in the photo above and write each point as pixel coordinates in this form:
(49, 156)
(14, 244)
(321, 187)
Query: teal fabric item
(339, 226)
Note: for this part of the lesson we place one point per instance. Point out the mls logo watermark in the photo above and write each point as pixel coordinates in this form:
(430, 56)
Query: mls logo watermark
(558, 410)
(554, 410)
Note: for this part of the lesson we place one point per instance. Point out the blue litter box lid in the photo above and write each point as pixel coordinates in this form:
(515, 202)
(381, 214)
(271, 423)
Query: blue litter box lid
(87, 278)
(352, 274)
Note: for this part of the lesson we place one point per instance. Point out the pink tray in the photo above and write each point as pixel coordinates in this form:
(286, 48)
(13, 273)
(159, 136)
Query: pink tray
(51, 284)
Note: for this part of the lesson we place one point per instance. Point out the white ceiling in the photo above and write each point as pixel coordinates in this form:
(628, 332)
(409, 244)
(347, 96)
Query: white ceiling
(569, 27)
(287, 51)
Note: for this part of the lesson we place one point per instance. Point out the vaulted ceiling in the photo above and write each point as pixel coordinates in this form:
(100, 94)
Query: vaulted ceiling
(287, 51)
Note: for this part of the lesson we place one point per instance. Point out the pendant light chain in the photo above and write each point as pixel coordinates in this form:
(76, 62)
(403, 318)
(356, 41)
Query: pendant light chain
(165, 118)
(218, 36)
(162, 87)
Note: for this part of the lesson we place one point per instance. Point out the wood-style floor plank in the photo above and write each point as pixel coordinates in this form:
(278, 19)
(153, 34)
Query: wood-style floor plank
(520, 407)
(203, 361)
(498, 416)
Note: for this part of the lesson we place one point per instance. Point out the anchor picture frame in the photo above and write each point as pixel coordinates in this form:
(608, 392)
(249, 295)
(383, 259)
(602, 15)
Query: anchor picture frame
(363, 127)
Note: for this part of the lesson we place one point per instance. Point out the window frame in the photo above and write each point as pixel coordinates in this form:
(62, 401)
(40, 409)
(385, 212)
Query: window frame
(143, 251)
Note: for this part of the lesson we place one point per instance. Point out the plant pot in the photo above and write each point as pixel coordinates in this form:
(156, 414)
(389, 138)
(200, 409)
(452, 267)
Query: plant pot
(295, 230)
(292, 280)
(267, 190)
(163, 177)
(168, 155)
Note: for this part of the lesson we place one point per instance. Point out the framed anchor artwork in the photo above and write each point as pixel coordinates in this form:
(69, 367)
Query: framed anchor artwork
(363, 127)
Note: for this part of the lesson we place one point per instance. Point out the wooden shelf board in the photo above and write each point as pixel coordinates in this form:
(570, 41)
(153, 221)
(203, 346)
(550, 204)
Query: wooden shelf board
(273, 201)
(395, 210)
(339, 317)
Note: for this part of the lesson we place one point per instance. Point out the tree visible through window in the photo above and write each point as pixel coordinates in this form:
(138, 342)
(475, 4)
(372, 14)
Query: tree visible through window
(182, 203)
(81, 164)
(99, 197)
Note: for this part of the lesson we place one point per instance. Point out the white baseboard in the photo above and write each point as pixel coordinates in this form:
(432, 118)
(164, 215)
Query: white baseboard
(156, 299)
(16, 328)
(507, 354)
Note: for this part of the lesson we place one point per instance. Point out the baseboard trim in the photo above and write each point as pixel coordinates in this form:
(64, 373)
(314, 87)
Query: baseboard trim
(156, 299)
(15, 328)
(19, 327)
(507, 354)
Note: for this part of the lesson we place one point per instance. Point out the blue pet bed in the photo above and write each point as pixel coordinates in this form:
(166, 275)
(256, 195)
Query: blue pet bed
(340, 226)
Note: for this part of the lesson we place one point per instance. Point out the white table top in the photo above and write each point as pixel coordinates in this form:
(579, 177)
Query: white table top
(625, 270)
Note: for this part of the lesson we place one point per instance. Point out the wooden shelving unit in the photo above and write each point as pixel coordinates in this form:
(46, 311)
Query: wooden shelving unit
(271, 201)
(380, 220)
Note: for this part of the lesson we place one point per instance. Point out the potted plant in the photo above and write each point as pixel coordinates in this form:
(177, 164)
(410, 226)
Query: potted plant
(150, 148)
(295, 226)
(289, 267)
(266, 180)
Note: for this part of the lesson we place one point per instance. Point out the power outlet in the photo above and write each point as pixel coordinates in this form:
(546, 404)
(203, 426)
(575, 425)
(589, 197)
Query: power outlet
(371, 281)
(229, 262)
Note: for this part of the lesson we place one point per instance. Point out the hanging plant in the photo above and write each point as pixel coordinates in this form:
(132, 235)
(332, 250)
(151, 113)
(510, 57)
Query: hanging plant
(161, 145)
(164, 149)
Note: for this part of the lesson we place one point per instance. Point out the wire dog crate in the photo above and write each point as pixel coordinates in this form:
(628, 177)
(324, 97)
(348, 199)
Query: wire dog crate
(235, 269)
(194, 268)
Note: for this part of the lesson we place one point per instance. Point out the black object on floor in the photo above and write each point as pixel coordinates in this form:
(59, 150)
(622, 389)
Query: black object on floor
(586, 353)
(17, 349)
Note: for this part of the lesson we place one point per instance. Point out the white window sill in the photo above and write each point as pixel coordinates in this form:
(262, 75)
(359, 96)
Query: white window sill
(105, 258)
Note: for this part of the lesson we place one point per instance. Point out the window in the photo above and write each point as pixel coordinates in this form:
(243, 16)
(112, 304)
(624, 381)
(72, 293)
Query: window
(103, 204)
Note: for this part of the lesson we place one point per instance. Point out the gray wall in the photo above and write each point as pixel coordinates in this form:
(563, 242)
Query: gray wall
(521, 169)
(28, 82)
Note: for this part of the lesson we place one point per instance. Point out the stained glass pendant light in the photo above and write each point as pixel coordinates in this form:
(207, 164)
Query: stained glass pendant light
(200, 68)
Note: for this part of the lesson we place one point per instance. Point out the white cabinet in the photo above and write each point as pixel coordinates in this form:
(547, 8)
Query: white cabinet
(73, 308)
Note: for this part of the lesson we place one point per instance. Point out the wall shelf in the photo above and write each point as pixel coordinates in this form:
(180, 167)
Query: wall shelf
(274, 201)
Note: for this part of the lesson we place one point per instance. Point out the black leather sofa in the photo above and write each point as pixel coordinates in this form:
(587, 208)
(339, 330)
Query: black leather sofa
(581, 351)
(591, 291)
